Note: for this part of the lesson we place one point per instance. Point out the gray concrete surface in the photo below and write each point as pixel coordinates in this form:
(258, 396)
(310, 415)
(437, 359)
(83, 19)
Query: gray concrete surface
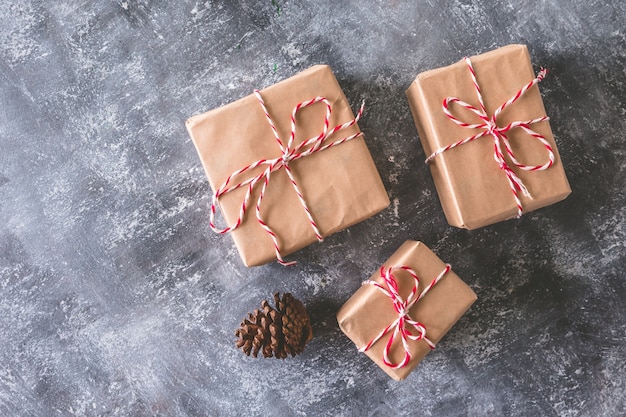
(116, 299)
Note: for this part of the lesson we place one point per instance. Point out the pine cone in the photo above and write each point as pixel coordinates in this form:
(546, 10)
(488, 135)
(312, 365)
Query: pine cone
(279, 332)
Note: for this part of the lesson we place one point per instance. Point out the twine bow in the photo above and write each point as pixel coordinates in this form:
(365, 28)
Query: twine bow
(499, 134)
(402, 307)
(289, 153)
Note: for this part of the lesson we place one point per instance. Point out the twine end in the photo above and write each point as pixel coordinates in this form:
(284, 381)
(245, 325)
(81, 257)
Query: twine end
(360, 112)
(542, 74)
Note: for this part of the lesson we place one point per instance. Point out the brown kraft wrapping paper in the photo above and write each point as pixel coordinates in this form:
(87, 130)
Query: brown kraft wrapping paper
(341, 185)
(369, 310)
(473, 190)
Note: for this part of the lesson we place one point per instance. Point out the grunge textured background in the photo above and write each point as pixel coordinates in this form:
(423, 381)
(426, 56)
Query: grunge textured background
(116, 299)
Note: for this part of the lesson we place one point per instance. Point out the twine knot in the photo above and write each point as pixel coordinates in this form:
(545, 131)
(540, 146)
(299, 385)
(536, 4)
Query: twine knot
(492, 127)
(286, 158)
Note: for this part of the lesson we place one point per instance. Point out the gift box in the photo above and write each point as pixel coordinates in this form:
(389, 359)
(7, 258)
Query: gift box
(430, 299)
(489, 164)
(288, 166)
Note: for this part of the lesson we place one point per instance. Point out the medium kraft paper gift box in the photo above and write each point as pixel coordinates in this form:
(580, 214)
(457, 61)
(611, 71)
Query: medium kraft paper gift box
(473, 189)
(369, 310)
(340, 185)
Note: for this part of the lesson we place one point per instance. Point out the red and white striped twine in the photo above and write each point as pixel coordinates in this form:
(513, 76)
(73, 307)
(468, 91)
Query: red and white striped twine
(402, 307)
(490, 127)
(289, 153)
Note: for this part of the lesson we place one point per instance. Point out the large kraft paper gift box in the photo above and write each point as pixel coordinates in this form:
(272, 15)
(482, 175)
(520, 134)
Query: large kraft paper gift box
(340, 185)
(473, 189)
(369, 311)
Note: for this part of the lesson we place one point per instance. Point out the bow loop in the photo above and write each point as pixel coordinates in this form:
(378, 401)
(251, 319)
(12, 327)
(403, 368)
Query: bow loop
(478, 112)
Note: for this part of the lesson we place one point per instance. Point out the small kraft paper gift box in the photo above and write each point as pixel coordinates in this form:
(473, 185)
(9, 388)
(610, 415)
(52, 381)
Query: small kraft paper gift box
(487, 139)
(399, 314)
(288, 166)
